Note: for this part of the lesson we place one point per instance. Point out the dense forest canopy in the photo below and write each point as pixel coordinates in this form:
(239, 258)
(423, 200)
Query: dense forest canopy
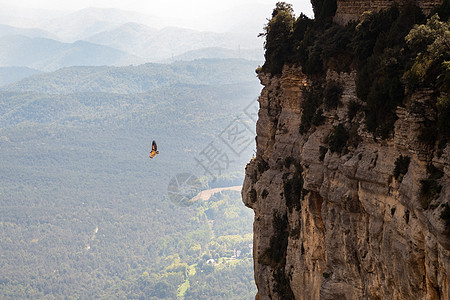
(84, 213)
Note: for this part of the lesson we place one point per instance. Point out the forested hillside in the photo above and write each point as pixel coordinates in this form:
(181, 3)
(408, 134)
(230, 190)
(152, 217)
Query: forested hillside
(138, 79)
(84, 212)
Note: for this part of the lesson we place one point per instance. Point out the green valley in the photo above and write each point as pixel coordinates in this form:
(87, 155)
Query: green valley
(84, 213)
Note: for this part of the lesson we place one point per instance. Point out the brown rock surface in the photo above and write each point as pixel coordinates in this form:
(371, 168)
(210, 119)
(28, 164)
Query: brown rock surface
(351, 10)
(342, 227)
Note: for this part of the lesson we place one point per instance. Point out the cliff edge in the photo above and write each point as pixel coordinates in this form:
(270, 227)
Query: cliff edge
(347, 208)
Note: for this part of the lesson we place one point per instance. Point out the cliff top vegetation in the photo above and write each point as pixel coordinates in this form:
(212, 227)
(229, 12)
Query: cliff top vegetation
(394, 52)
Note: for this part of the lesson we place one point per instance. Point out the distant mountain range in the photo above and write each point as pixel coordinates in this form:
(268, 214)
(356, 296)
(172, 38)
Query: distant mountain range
(137, 79)
(9, 75)
(216, 52)
(111, 37)
(87, 22)
(156, 45)
(48, 54)
(6, 30)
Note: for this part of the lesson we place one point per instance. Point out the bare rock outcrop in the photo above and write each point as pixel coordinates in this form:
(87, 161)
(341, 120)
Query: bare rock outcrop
(351, 10)
(341, 226)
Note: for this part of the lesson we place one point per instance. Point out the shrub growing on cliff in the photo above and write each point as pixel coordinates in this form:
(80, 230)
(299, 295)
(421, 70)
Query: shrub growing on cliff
(323, 46)
(429, 187)
(288, 161)
(443, 124)
(428, 133)
(318, 118)
(401, 166)
(439, 129)
(262, 166)
(434, 172)
(322, 152)
(332, 95)
(368, 30)
(429, 190)
(431, 42)
(312, 99)
(336, 50)
(293, 191)
(353, 108)
(275, 255)
(445, 215)
(385, 94)
(337, 140)
(381, 58)
(252, 195)
(293, 187)
(282, 284)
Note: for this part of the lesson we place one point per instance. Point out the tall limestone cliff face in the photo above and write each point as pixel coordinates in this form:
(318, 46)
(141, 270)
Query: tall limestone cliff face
(351, 10)
(340, 226)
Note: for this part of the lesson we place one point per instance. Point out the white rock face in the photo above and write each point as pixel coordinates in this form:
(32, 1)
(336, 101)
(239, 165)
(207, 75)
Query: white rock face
(340, 226)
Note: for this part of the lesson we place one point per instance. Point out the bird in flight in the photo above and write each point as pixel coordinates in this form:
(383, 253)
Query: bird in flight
(154, 150)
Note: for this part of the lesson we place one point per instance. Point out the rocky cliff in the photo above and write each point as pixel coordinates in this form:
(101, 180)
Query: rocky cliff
(351, 10)
(351, 222)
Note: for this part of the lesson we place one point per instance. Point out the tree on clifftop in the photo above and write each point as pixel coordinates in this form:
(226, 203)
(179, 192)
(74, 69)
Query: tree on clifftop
(324, 9)
(278, 32)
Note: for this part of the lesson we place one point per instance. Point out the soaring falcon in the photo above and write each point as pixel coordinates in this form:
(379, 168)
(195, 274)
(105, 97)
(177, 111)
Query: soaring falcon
(154, 150)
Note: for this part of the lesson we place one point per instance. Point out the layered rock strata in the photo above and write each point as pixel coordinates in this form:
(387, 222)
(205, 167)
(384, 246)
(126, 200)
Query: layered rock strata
(340, 226)
(351, 10)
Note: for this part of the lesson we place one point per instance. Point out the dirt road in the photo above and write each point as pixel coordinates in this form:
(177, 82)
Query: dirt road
(206, 194)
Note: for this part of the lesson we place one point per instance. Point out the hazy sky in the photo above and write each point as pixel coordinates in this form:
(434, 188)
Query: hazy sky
(193, 13)
(177, 7)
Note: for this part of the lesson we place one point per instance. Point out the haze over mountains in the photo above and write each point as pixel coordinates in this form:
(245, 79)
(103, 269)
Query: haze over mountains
(113, 37)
